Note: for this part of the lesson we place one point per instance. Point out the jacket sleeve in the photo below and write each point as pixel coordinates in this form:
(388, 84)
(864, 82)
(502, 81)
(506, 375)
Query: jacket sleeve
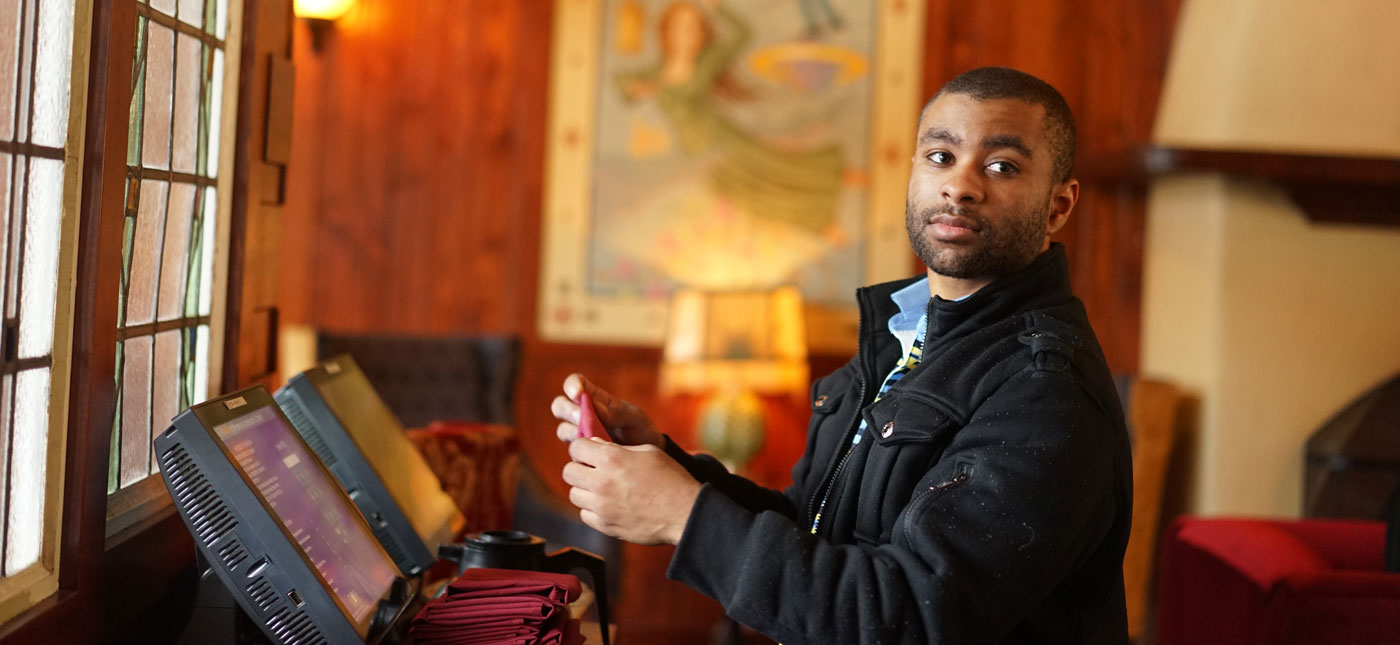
(969, 557)
(751, 496)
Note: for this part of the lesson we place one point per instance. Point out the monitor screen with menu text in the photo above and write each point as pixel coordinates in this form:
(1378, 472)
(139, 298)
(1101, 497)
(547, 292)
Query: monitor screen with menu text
(322, 522)
(271, 523)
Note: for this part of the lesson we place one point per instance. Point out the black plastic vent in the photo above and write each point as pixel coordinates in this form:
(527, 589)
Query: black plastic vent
(292, 407)
(294, 628)
(232, 555)
(209, 518)
(391, 544)
(262, 594)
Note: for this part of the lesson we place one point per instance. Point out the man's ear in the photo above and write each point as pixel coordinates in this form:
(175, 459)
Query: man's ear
(1066, 195)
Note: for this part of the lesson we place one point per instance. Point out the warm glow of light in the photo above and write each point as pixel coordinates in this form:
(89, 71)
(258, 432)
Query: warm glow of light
(323, 9)
(748, 340)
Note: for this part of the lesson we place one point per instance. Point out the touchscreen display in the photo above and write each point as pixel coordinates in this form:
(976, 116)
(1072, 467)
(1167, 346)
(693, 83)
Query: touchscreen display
(321, 520)
(382, 441)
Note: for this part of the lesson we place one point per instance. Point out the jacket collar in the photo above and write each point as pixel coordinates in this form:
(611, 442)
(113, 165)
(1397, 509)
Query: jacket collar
(1044, 282)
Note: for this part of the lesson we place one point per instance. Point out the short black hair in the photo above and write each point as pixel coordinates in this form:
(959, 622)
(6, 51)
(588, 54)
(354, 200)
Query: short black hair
(985, 83)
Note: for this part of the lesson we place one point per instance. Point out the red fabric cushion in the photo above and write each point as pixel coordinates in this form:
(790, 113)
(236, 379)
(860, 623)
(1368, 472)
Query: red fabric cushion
(478, 466)
(1263, 553)
(1275, 582)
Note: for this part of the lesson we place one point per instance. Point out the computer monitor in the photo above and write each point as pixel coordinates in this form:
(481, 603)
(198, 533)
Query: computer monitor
(357, 437)
(266, 515)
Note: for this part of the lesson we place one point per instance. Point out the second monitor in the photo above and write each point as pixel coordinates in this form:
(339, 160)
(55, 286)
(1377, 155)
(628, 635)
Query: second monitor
(336, 409)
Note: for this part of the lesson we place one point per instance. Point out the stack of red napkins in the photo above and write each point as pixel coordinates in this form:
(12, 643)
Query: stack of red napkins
(501, 607)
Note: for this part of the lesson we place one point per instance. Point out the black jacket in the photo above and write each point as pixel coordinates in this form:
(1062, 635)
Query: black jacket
(989, 500)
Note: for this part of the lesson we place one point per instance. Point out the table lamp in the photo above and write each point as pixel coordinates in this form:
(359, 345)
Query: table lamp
(731, 346)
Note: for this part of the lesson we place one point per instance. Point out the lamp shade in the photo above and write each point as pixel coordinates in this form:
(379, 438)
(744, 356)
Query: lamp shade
(735, 340)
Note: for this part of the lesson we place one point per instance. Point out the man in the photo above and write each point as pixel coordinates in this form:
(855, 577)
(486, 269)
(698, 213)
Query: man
(967, 476)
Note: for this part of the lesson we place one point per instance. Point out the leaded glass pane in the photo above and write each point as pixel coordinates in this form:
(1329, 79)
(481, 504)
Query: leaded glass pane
(24, 73)
(5, 161)
(12, 233)
(192, 12)
(28, 463)
(145, 251)
(177, 243)
(128, 237)
(51, 84)
(198, 377)
(160, 58)
(114, 451)
(9, 67)
(214, 93)
(7, 399)
(164, 6)
(188, 65)
(136, 115)
(220, 18)
(165, 400)
(136, 409)
(40, 278)
(205, 286)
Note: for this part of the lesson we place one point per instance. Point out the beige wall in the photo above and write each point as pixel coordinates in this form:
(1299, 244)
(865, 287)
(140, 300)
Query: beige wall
(1298, 75)
(1273, 321)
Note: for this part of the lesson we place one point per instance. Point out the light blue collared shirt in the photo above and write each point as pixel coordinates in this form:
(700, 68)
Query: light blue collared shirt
(907, 325)
(913, 307)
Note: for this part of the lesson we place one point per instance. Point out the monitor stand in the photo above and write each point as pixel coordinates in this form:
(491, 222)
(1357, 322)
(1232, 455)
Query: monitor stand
(218, 620)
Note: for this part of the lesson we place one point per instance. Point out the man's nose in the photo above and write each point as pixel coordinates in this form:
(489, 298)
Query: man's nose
(963, 184)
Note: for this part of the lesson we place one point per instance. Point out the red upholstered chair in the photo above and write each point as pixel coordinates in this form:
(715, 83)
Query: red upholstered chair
(478, 465)
(1276, 582)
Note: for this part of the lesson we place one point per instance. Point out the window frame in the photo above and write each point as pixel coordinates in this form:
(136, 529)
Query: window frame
(37, 582)
(106, 581)
(132, 505)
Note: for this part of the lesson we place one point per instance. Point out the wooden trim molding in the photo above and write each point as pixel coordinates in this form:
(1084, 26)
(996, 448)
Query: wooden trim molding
(71, 616)
(1333, 189)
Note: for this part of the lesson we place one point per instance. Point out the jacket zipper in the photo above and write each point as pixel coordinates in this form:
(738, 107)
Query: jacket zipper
(814, 509)
(818, 503)
(959, 478)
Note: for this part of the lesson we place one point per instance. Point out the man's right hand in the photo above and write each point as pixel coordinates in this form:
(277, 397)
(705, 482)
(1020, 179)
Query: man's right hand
(625, 423)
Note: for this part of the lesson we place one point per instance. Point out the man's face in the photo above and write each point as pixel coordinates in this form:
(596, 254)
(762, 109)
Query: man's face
(982, 198)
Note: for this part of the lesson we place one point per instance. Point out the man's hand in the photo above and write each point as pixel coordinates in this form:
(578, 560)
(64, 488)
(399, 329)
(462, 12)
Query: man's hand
(634, 493)
(625, 423)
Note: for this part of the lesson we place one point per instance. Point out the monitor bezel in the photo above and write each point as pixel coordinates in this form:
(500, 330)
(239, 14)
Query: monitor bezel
(216, 412)
(320, 376)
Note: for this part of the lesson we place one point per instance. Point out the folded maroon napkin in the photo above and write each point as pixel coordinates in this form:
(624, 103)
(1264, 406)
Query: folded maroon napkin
(501, 607)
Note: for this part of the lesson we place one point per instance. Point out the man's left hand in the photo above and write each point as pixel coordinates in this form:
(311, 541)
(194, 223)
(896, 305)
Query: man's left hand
(634, 493)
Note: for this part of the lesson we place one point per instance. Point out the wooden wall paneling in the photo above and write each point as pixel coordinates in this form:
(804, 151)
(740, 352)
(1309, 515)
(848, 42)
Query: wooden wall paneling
(427, 193)
(1108, 59)
(298, 285)
(250, 354)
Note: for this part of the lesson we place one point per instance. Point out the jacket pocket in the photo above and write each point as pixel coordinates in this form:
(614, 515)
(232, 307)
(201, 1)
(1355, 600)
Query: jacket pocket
(907, 438)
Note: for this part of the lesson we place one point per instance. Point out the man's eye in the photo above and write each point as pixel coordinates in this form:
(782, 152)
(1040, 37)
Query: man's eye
(940, 157)
(1002, 167)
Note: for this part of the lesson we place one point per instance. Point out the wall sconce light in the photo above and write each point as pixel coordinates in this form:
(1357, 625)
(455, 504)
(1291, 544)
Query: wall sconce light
(319, 15)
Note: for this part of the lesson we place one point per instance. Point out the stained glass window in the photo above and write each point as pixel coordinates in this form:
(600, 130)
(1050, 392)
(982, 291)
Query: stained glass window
(36, 94)
(163, 316)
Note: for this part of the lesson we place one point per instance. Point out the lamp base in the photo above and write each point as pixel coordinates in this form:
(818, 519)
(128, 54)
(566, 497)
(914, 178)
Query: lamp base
(731, 427)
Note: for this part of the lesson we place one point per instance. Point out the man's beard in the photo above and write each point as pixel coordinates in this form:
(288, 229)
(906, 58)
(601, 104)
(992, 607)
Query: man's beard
(1006, 247)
